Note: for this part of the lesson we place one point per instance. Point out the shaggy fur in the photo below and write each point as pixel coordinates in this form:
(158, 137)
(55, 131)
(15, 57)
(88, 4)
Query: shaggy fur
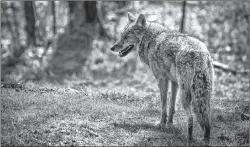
(177, 58)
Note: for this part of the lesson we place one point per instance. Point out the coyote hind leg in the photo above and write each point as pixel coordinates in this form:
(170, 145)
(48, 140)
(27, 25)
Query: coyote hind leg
(174, 89)
(186, 103)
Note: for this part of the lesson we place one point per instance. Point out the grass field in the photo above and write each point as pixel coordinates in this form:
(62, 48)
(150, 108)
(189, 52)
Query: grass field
(116, 112)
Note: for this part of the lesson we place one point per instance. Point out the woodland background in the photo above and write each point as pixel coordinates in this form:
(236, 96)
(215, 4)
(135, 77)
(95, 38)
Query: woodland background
(61, 84)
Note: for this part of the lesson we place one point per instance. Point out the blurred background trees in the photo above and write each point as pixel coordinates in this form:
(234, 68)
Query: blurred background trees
(46, 40)
(73, 47)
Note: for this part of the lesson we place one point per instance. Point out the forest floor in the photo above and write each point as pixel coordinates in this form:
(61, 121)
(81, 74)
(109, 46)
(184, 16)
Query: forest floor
(115, 111)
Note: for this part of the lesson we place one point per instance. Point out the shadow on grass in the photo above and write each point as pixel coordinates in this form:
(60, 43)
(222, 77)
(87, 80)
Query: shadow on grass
(147, 126)
(171, 135)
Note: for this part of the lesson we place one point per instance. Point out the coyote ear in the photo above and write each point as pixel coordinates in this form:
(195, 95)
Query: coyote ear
(141, 20)
(131, 17)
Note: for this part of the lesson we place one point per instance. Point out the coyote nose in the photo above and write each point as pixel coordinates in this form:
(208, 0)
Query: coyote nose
(112, 48)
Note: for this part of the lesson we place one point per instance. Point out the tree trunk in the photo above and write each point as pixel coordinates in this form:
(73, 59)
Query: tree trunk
(183, 16)
(30, 22)
(54, 16)
(73, 47)
(16, 24)
(248, 38)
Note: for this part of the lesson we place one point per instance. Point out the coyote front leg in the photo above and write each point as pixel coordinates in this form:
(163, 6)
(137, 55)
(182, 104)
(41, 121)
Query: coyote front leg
(174, 90)
(163, 86)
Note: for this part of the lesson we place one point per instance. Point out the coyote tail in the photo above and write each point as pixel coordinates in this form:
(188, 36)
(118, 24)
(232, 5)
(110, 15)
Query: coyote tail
(201, 92)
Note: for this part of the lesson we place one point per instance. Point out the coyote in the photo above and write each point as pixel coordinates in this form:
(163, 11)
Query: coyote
(175, 57)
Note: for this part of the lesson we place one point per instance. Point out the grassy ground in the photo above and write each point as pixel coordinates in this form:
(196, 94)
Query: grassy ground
(116, 112)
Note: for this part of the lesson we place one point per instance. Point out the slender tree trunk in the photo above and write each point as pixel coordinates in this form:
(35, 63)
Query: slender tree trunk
(183, 16)
(248, 38)
(30, 22)
(54, 16)
(16, 24)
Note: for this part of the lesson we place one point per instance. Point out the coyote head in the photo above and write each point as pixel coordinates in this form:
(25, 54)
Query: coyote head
(131, 35)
